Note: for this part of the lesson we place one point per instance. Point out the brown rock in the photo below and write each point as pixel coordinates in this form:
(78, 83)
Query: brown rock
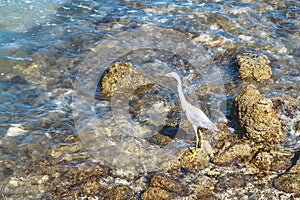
(191, 160)
(162, 181)
(70, 182)
(132, 87)
(290, 181)
(121, 78)
(207, 194)
(119, 192)
(161, 139)
(263, 160)
(112, 75)
(256, 117)
(235, 152)
(253, 66)
(230, 181)
(156, 193)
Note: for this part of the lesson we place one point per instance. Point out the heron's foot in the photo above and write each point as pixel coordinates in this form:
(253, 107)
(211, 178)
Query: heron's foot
(194, 154)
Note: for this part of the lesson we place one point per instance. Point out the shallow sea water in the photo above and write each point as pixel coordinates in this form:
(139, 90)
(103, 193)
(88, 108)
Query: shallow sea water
(44, 45)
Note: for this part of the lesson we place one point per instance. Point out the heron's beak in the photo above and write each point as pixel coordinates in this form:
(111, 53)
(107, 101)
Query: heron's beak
(164, 75)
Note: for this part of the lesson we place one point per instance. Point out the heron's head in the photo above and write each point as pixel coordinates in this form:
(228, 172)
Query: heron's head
(171, 74)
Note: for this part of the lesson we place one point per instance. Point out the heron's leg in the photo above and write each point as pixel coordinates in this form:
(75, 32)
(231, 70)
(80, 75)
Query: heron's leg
(197, 149)
(197, 137)
(201, 138)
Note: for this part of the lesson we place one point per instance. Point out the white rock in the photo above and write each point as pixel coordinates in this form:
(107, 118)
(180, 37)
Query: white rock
(15, 130)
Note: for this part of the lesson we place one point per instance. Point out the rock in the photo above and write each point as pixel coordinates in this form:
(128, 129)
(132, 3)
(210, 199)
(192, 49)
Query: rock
(263, 160)
(204, 189)
(118, 192)
(190, 160)
(230, 181)
(280, 163)
(271, 158)
(15, 130)
(253, 66)
(157, 194)
(290, 181)
(69, 182)
(121, 77)
(132, 87)
(160, 139)
(207, 194)
(112, 75)
(168, 184)
(256, 117)
(147, 107)
(237, 151)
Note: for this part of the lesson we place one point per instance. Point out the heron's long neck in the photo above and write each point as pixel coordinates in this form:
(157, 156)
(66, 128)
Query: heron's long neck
(180, 93)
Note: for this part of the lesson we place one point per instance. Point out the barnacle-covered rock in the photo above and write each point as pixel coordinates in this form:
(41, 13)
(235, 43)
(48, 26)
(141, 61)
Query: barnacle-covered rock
(122, 80)
(253, 66)
(256, 117)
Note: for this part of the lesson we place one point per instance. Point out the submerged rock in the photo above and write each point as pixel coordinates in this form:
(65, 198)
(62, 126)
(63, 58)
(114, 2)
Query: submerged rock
(121, 78)
(253, 66)
(112, 75)
(256, 117)
(131, 86)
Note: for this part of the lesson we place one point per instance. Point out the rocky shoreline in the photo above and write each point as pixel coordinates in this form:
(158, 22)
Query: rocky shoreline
(248, 163)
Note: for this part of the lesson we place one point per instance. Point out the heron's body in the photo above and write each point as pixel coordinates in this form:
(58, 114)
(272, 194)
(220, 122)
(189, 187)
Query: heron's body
(193, 114)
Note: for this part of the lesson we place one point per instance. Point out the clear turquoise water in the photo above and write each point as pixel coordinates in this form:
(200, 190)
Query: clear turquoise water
(42, 43)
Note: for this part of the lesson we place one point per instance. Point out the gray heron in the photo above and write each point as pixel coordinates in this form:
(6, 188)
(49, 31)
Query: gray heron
(194, 115)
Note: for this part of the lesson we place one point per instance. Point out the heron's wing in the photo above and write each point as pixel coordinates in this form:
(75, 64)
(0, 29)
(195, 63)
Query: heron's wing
(197, 117)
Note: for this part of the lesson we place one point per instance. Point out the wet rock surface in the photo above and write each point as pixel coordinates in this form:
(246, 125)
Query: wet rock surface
(235, 180)
(156, 193)
(122, 79)
(120, 192)
(166, 183)
(256, 116)
(253, 66)
(114, 74)
(235, 152)
(191, 160)
(289, 181)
